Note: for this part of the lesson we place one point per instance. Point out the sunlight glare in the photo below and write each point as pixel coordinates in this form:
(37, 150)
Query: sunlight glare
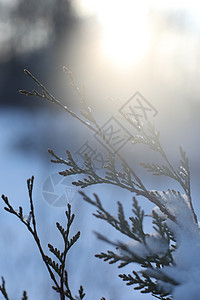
(125, 29)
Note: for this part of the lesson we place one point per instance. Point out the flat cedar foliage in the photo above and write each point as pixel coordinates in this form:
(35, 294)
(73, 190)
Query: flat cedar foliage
(173, 218)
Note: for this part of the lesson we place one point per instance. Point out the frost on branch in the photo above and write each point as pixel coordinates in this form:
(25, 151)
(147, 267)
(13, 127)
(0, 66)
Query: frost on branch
(169, 256)
(185, 270)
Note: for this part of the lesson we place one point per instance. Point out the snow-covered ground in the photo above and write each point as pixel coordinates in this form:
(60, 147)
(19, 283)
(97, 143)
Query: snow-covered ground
(25, 137)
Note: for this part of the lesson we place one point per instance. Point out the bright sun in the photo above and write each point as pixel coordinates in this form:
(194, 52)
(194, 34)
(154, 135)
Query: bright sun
(125, 28)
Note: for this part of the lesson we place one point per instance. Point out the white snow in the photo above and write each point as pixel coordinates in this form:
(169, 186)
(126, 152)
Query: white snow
(136, 248)
(186, 270)
(184, 274)
(21, 265)
(154, 244)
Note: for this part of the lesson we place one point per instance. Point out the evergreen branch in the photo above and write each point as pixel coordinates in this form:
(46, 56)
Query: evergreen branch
(137, 221)
(33, 230)
(158, 170)
(51, 265)
(24, 296)
(119, 224)
(62, 231)
(129, 180)
(81, 292)
(4, 292)
(55, 266)
(142, 190)
(45, 94)
(184, 161)
(68, 245)
(146, 285)
(70, 219)
(112, 177)
(184, 172)
(147, 141)
(35, 234)
(67, 291)
(56, 252)
(112, 258)
(162, 228)
(70, 162)
(93, 177)
(87, 182)
(182, 176)
(112, 173)
(126, 256)
(87, 113)
(73, 240)
(127, 177)
(124, 226)
(3, 289)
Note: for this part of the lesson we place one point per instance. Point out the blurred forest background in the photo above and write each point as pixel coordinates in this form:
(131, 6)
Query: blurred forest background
(114, 48)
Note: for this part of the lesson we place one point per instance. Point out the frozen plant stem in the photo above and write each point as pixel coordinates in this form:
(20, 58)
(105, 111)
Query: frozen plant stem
(47, 95)
(172, 172)
(162, 254)
(55, 269)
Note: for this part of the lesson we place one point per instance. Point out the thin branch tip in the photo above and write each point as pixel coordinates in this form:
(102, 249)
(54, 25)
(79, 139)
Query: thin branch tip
(82, 193)
(24, 92)
(27, 72)
(50, 151)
